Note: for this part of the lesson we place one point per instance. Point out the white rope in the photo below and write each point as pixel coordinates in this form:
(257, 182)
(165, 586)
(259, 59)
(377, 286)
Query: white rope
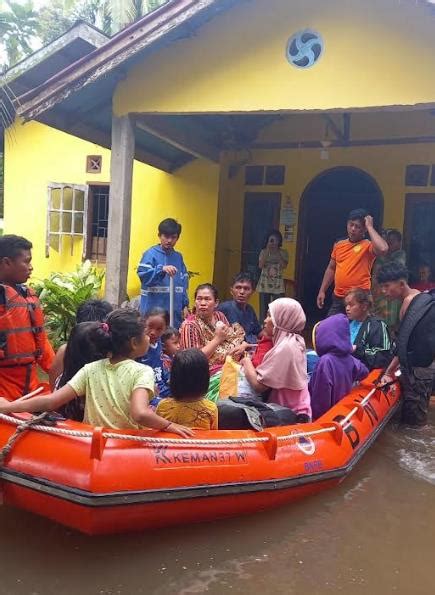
(187, 441)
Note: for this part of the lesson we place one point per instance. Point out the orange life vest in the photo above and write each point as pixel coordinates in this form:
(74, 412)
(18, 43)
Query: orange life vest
(21, 326)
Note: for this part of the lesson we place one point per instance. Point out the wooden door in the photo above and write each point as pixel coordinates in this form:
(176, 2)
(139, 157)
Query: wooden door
(419, 232)
(261, 214)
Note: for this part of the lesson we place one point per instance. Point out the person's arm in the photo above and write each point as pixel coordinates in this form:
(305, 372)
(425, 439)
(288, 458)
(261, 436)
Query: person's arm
(43, 403)
(251, 376)
(143, 415)
(150, 272)
(328, 279)
(57, 366)
(47, 357)
(283, 254)
(388, 375)
(375, 352)
(190, 338)
(262, 259)
(380, 246)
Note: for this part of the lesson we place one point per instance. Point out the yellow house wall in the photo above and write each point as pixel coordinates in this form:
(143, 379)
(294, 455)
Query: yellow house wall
(377, 53)
(385, 164)
(36, 155)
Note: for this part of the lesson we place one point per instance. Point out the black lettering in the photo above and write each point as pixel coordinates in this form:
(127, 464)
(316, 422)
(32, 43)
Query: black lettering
(205, 458)
(240, 456)
(177, 458)
(213, 457)
(186, 458)
(195, 458)
(350, 431)
(161, 456)
(371, 412)
(221, 457)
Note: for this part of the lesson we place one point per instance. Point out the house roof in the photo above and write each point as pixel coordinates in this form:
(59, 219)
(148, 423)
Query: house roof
(78, 99)
(33, 71)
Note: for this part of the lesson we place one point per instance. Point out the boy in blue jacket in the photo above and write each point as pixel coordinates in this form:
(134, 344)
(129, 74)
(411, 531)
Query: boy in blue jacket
(157, 265)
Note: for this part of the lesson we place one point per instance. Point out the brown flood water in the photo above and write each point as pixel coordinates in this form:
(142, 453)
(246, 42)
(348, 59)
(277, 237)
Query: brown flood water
(373, 534)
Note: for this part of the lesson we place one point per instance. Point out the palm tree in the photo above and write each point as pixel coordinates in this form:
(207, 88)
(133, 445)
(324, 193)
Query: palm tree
(18, 27)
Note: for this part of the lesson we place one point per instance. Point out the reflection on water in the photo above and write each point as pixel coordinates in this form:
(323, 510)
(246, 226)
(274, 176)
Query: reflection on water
(372, 534)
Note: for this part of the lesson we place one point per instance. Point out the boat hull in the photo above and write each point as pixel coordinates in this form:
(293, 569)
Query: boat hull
(99, 485)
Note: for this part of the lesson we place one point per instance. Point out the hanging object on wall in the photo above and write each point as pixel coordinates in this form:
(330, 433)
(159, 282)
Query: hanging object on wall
(304, 48)
(288, 220)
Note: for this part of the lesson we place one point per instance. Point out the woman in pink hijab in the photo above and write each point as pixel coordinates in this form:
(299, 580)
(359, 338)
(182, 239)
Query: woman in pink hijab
(284, 367)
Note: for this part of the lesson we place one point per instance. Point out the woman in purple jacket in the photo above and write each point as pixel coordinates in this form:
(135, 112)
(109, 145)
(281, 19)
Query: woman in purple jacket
(337, 369)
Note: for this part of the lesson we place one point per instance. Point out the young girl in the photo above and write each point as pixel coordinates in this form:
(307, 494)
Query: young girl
(156, 322)
(189, 383)
(117, 389)
(82, 348)
(368, 334)
(284, 367)
(170, 346)
(272, 261)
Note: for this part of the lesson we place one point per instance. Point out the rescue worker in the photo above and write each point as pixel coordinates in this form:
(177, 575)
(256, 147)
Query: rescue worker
(23, 342)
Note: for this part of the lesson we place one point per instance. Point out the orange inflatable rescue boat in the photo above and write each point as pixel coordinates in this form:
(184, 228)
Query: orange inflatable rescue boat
(100, 481)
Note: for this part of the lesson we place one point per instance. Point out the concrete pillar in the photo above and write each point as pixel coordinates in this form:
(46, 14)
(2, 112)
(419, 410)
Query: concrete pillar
(118, 240)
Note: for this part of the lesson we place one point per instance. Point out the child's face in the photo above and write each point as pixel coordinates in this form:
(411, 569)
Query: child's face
(355, 310)
(154, 328)
(268, 325)
(168, 242)
(172, 345)
(140, 345)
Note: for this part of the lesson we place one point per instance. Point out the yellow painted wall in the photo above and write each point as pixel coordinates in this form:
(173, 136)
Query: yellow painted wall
(385, 164)
(377, 53)
(36, 155)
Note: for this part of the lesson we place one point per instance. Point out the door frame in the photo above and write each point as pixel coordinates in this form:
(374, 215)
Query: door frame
(303, 218)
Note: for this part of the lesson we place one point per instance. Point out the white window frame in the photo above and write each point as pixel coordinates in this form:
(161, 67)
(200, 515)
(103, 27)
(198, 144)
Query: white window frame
(71, 233)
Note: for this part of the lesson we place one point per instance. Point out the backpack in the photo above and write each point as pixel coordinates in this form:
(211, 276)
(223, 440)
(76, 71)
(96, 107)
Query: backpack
(416, 340)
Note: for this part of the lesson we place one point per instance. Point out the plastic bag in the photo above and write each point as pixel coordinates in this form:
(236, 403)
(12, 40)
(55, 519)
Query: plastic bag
(229, 379)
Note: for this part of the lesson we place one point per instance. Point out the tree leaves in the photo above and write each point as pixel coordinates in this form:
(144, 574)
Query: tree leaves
(62, 293)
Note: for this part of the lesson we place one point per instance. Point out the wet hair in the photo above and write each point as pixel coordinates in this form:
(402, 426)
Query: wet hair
(393, 271)
(157, 312)
(190, 375)
(394, 233)
(243, 277)
(11, 245)
(83, 347)
(210, 287)
(169, 227)
(277, 234)
(357, 215)
(120, 328)
(169, 333)
(362, 296)
(93, 310)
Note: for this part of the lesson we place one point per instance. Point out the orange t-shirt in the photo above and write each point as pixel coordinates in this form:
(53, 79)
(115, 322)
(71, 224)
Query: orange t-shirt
(354, 265)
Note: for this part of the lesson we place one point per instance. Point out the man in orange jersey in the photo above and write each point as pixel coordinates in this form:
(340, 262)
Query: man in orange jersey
(352, 260)
(23, 342)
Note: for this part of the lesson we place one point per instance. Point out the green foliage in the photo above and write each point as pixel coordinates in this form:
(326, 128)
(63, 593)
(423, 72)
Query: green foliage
(18, 26)
(62, 293)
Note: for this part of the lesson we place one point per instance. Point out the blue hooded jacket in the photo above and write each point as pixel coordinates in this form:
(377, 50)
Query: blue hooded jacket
(155, 283)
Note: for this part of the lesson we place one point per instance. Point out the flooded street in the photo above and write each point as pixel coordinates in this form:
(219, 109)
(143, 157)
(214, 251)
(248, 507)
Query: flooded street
(374, 534)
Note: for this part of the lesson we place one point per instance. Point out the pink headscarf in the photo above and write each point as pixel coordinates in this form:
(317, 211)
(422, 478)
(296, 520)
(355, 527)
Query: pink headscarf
(285, 365)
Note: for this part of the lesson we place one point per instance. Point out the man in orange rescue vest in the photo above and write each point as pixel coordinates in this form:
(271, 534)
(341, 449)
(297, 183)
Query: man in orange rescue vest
(23, 342)
(352, 260)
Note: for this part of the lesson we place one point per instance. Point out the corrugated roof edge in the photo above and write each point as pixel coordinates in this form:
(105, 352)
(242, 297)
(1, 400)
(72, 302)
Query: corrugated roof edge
(128, 42)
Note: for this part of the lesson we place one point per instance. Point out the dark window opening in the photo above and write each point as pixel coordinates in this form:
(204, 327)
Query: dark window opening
(98, 220)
